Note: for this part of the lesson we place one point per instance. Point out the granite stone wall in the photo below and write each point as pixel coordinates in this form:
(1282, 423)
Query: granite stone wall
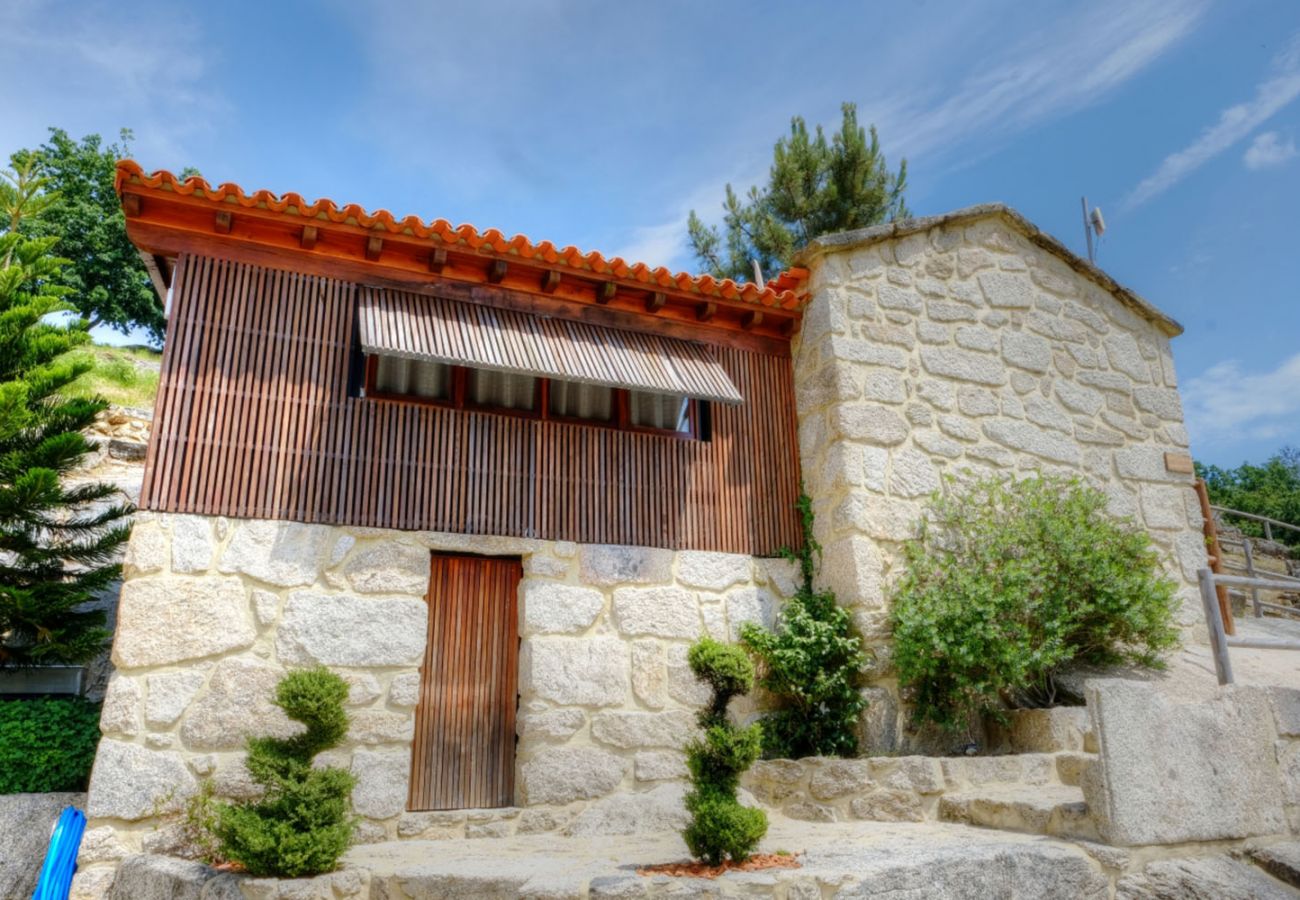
(967, 348)
(214, 611)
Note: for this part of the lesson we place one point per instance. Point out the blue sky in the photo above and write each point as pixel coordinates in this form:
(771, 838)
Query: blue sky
(603, 124)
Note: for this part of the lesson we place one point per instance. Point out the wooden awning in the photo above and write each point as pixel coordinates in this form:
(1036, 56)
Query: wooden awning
(419, 326)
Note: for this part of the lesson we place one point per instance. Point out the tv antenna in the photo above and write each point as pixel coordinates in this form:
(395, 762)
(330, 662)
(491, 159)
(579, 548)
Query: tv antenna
(1094, 226)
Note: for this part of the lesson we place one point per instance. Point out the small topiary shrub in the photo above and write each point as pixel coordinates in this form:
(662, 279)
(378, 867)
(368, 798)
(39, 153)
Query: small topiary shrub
(811, 665)
(720, 827)
(302, 824)
(47, 744)
(1010, 582)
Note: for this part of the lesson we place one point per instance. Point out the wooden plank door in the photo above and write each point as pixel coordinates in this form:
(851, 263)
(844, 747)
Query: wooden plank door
(464, 753)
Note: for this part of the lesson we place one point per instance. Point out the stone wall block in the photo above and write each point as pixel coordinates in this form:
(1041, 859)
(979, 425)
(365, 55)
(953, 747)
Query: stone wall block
(236, 704)
(1007, 290)
(552, 608)
(672, 612)
(1174, 771)
(383, 777)
(609, 564)
(170, 620)
(869, 423)
(963, 365)
(131, 782)
(287, 554)
(565, 774)
(713, 571)
(146, 551)
(550, 724)
(640, 730)
(649, 673)
(191, 544)
(590, 671)
(345, 630)
(404, 692)
(389, 568)
(169, 694)
(912, 474)
(120, 713)
(753, 605)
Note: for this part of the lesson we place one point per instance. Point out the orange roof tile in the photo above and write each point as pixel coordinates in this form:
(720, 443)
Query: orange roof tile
(779, 292)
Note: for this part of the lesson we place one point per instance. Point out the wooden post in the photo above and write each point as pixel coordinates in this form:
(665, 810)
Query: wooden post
(1250, 573)
(1216, 556)
(1214, 620)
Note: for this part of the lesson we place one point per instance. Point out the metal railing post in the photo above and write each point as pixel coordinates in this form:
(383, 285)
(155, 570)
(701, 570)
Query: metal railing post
(1214, 619)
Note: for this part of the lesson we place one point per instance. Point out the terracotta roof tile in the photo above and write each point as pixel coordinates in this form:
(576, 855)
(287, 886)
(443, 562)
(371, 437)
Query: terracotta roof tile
(781, 291)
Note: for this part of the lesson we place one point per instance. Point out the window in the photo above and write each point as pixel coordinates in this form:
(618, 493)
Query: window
(500, 390)
(569, 400)
(416, 378)
(662, 412)
(517, 393)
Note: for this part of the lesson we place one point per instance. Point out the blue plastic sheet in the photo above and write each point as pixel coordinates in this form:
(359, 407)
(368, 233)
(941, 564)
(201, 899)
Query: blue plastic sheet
(61, 858)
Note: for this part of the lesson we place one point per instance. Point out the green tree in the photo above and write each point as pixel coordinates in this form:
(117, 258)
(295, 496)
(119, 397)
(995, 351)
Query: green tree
(720, 828)
(108, 281)
(816, 186)
(302, 824)
(1270, 489)
(56, 540)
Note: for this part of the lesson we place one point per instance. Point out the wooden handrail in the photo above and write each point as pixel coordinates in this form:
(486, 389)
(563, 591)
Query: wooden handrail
(1215, 556)
(1254, 517)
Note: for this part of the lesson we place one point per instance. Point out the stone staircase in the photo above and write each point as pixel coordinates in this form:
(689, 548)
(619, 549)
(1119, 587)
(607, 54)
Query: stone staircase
(1031, 785)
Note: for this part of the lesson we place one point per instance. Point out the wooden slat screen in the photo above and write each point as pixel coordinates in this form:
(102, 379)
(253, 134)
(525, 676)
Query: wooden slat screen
(464, 751)
(254, 420)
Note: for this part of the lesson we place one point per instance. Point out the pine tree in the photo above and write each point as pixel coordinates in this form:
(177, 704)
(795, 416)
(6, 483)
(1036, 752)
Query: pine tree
(815, 187)
(56, 540)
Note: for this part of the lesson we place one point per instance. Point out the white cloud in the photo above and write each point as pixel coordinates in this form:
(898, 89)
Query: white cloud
(1225, 403)
(87, 68)
(1268, 150)
(1234, 124)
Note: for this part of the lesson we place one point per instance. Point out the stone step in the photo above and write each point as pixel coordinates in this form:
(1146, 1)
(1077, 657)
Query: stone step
(1057, 810)
(1055, 730)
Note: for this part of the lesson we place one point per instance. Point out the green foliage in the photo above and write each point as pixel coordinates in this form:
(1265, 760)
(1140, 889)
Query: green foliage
(815, 187)
(720, 827)
(811, 665)
(47, 744)
(302, 823)
(107, 280)
(1271, 489)
(124, 376)
(56, 541)
(1011, 582)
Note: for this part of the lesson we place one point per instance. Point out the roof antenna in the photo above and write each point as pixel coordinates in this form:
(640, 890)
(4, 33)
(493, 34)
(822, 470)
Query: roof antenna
(1094, 226)
(758, 275)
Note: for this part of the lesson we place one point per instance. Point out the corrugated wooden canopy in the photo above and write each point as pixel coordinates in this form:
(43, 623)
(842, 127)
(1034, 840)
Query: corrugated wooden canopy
(420, 326)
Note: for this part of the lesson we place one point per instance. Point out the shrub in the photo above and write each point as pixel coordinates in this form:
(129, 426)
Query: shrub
(811, 665)
(302, 824)
(1009, 583)
(47, 744)
(720, 827)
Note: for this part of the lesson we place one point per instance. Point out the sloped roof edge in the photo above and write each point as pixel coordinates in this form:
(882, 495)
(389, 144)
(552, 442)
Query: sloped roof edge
(847, 240)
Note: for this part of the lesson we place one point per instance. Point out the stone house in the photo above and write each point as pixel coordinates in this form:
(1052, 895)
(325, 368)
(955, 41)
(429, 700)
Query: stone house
(501, 486)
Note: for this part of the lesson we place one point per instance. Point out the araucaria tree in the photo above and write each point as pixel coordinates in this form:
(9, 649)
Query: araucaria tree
(57, 540)
(109, 283)
(720, 827)
(811, 665)
(816, 186)
(302, 824)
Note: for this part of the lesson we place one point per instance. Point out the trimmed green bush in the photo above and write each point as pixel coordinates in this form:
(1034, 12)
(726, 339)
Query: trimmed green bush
(1009, 583)
(811, 665)
(721, 828)
(47, 744)
(302, 824)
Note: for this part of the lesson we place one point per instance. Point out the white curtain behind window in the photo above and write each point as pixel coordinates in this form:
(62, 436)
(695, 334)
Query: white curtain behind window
(665, 411)
(396, 375)
(582, 401)
(504, 390)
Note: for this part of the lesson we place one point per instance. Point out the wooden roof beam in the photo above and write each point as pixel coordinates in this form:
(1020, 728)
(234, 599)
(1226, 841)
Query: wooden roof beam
(222, 221)
(438, 260)
(655, 302)
(310, 234)
(606, 291)
(550, 281)
(374, 247)
(497, 271)
(704, 311)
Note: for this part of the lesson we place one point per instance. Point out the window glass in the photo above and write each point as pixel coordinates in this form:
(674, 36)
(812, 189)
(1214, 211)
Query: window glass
(667, 412)
(418, 378)
(503, 390)
(581, 401)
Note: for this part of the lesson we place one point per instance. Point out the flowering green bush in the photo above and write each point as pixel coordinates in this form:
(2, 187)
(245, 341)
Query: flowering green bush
(811, 666)
(1008, 583)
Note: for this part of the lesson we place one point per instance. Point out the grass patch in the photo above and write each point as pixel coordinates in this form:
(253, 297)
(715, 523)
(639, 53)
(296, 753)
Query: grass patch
(124, 376)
